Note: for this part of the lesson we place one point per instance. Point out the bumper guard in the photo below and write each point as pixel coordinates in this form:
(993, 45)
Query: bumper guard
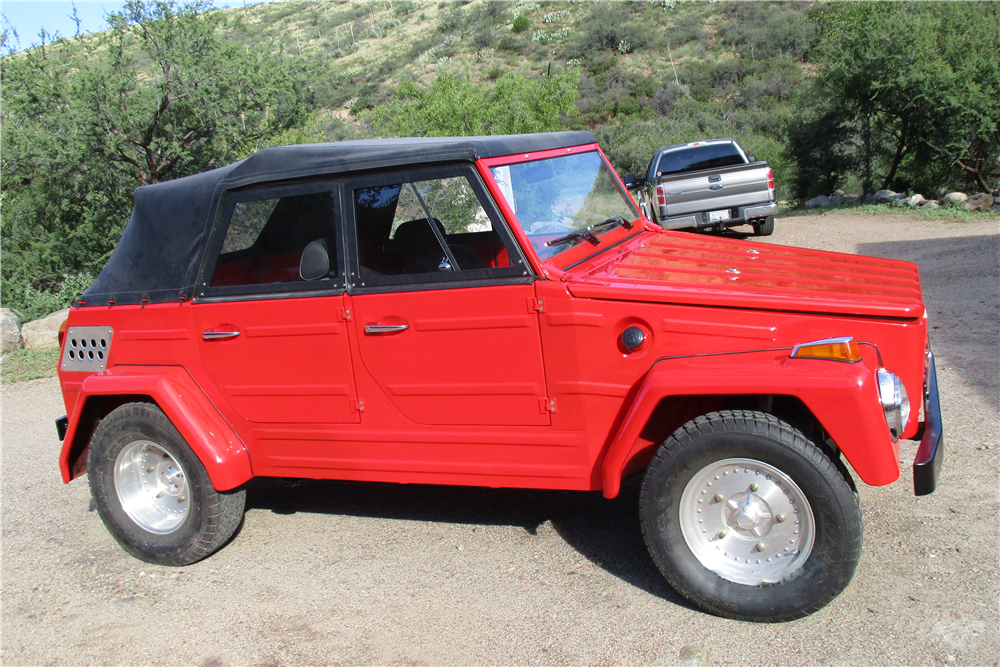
(930, 454)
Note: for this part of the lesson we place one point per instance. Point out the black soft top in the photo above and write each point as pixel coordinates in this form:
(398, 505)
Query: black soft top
(160, 252)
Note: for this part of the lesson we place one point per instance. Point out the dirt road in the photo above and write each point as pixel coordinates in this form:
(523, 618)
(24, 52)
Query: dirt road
(330, 573)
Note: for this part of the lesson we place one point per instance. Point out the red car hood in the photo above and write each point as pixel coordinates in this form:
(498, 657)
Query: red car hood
(684, 268)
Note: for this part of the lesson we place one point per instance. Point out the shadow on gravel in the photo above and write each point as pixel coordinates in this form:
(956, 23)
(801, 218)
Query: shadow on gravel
(606, 532)
(960, 279)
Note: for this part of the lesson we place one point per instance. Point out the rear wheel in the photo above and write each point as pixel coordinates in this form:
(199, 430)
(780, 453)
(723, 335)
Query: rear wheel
(750, 520)
(764, 227)
(153, 493)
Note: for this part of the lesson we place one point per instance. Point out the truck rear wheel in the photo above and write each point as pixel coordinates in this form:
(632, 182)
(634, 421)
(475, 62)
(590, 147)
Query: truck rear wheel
(153, 493)
(748, 519)
(764, 227)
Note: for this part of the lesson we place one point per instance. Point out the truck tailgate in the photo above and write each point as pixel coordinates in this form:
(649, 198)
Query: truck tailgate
(729, 187)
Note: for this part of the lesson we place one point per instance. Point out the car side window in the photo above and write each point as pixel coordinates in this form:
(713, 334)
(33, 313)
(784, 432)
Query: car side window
(277, 241)
(423, 228)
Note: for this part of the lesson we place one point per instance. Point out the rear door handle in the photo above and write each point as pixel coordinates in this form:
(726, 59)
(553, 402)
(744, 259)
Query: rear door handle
(385, 328)
(218, 335)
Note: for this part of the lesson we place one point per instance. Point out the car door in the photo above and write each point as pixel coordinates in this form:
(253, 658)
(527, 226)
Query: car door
(443, 300)
(268, 316)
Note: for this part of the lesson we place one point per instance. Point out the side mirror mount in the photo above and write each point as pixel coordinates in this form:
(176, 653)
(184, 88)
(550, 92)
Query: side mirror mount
(630, 181)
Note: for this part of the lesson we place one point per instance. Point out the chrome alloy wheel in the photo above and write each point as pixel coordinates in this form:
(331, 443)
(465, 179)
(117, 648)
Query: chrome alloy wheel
(747, 521)
(152, 487)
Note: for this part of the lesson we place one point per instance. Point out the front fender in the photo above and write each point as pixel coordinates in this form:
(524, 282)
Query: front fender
(187, 407)
(842, 396)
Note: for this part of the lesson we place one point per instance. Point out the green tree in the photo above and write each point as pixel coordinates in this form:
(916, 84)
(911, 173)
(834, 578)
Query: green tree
(160, 95)
(920, 83)
(455, 106)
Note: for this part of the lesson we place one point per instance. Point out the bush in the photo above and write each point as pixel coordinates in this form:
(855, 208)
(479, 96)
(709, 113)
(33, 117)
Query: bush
(521, 23)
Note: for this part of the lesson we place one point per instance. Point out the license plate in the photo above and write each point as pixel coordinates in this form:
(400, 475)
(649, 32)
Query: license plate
(718, 216)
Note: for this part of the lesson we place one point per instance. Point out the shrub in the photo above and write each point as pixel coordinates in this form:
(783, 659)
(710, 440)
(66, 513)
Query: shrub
(521, 23)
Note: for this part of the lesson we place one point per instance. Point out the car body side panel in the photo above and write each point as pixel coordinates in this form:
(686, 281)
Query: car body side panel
(218, 448)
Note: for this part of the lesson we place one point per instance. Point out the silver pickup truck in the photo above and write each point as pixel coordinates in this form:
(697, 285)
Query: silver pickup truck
(708, 185)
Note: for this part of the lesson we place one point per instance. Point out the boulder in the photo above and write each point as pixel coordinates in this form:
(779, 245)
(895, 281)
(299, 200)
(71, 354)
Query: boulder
(883, 195)
(915, 201)
(930, 203)
(10, 331)
(43, 334)
(837, 200)
(981, 202)
(953, 198)
(869, 198)
(818, 202)
(838, 193)
(900, 201)
(995, 208)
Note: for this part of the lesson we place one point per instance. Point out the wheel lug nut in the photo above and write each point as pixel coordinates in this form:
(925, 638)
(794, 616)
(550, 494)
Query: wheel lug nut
(754, 487)
(718, 498)
(160, 494)
(760, 546)
(150, 469)
(719, 535)
(181, 499)
(780, 518)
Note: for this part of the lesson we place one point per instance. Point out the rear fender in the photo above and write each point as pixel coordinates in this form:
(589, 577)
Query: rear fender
(842, 396)
(172, 389)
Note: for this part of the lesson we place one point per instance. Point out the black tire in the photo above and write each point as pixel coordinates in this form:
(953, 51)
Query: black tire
(766, 447)
(188, 521)
(765, 228)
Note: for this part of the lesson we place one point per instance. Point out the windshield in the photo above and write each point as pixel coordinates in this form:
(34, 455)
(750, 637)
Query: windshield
(554, 197)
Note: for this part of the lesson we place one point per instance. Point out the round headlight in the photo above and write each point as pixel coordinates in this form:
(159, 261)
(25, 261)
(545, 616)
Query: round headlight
(895, 401)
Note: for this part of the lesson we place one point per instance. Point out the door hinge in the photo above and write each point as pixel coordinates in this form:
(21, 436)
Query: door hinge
(547, 405)
(345, 314)
(357, 405)
(536, 305)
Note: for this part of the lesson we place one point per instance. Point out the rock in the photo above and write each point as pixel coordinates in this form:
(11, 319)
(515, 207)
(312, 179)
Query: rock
(899, 201)
(981, 202)
(953, 198)
(915, 201)
(883, 195)
(695, 655)
(930, 203)
(869, 198)
(818, 202)
(43, 334)
(10, 331)
(995, 208)
(851, 200)
(837, 200)
(838, 193)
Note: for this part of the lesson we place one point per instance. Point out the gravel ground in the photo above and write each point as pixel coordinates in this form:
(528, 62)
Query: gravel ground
(327, 573)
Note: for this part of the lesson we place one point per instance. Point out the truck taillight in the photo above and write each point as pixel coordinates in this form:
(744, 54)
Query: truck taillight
(770, 181)
(660, 198)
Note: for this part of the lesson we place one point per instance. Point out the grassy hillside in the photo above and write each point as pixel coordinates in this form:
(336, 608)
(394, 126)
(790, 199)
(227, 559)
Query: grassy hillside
(652, 72)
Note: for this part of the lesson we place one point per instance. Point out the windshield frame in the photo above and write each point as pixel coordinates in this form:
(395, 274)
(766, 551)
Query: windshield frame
(572, 254)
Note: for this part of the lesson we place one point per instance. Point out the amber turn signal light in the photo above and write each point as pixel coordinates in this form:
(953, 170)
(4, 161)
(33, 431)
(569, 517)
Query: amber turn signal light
(832, 349)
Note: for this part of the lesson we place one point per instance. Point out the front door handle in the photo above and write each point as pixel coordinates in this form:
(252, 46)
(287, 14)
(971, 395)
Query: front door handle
(385, 328)
(218, 335)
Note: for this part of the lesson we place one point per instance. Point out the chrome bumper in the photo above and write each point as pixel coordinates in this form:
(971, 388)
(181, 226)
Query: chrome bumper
(930, 454)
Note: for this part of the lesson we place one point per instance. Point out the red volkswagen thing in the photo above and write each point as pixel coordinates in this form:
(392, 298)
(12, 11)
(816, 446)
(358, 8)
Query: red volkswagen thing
(497, 312)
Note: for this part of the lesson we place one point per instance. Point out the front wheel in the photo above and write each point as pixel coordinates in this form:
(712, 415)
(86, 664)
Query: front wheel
(750, 520)
(153, 493)
(765, 227)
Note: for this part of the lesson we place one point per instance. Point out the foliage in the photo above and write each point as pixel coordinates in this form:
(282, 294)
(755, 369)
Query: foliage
(455, 106)
(914, 92)
(521, 23)
(160, 95)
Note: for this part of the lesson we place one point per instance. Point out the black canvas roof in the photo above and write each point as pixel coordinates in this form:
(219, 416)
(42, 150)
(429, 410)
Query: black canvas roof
(159, 253)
